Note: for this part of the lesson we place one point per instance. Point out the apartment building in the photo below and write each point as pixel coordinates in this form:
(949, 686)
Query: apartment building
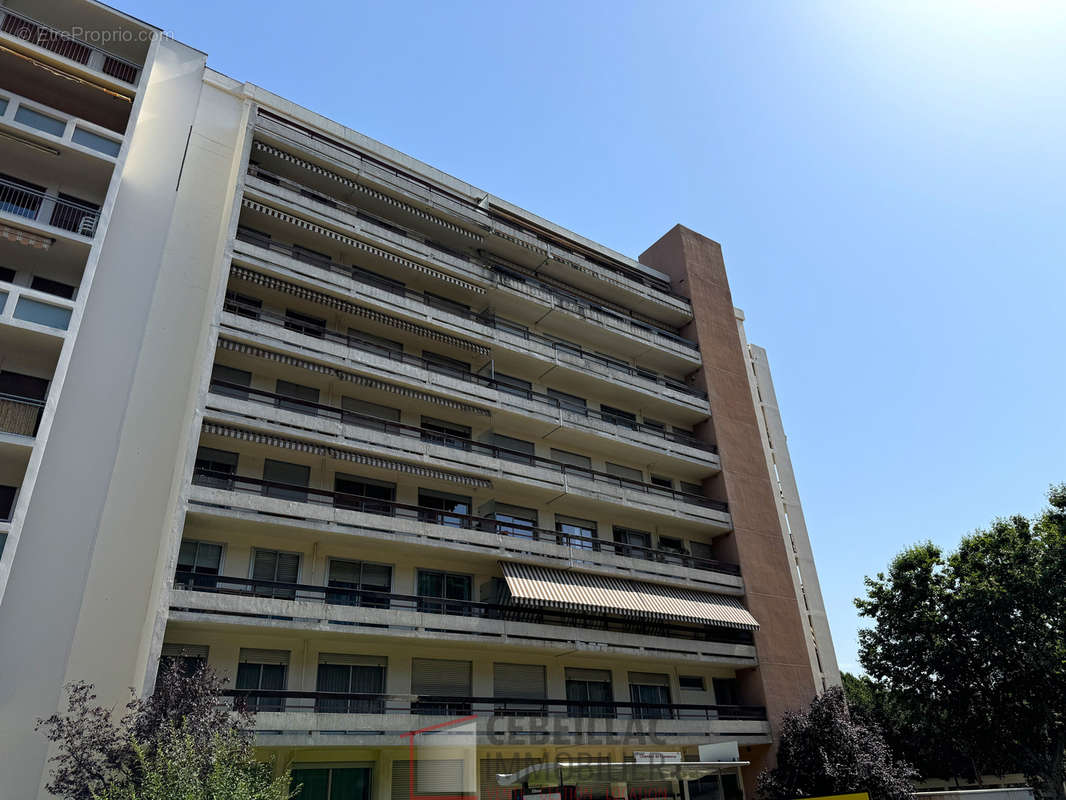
(382, 448)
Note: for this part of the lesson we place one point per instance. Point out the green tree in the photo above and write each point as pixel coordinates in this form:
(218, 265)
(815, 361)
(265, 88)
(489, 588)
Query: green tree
(177, 767)
(823, 750)
(971, 646)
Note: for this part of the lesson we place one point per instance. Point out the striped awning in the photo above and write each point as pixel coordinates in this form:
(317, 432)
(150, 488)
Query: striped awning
(278, 285)
(338, 454)
(363, 246)
(25, 237)
(581, 591)
(366, 190)
(360, 380)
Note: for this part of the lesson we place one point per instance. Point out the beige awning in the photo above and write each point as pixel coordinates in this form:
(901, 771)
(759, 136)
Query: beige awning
(576, 773)
(25, 237)
(586, 592)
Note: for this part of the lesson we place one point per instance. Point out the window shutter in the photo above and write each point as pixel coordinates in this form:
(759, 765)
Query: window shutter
(437, 677)
(592, 675)
(264, 565)
(252, 655)
(288, 567)
(649, 679)
(184, 651)
(525, 681)
(344, 571)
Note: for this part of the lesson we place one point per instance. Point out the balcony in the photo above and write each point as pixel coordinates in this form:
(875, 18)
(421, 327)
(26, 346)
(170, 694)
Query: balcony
(263, 605)
(21, 203)
(507, 235)
(577, 548)
(601, 322)
(20, 416)
(25, 29)
(585, 371)
(50, 125)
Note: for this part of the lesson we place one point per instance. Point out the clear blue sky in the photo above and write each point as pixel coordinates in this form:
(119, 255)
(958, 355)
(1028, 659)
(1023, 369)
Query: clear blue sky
(887, 180)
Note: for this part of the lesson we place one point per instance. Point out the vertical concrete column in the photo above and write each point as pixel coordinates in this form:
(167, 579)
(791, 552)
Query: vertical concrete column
(783, 678)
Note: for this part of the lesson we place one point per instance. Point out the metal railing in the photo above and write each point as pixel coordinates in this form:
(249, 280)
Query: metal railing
(557, 345)
(62, 44)
(20, 415)
(455, 442)
(390, 508)
(501, 275)
(33, 204)
(506, 612)
(459, 706)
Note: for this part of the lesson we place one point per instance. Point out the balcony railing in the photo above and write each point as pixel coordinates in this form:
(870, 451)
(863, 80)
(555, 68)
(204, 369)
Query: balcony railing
(389, 508)
(321, 332)
(374, 599)
(19, 415)
(452, 706)
(36, 205)
(60, 43)
(455, 442)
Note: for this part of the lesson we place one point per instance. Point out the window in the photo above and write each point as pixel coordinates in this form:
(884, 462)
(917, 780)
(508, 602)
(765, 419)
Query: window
(511, 449)
(367, 415)
(443, 508)
(7, 501)
(613, 362)
(563, 346)
(191, 658)
(7, 275)
(305, 324)
(691, 488)
(444, 304)
(443, 364)
(514, 386)
(290, 476)
(440, 587)
(508, 326)
(221, 374)
(726, 691)
(373, 579)
(253, 236)
(46, 314)
(671, 544)
(440, 431)
(578, 531)
(332, 783)
(691, 683)
(215, 468)
(351, 674)
(260, 670)
(374, 344)
(649, 691)
(616, 416)
(318, 198)
(569, 402)
(434, 678)
(102, 144)
(199, 563)
(520, 681)
(634, 539)
(376, 279)
(662, 481)
(654, 424)
(309, 256)
(571, 459)
(588, 693)
(275, 566)
(515, 520)
(53, 287)
(625, 473)
(42, 122)
(307, 394)
(243, 305)
(363, 494)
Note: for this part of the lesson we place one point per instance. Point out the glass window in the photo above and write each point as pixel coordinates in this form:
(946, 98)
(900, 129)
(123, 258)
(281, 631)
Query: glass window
(40, 313)
(515, 520)
(726, 691)
(221, 374)
(102, 144)
(368, 580)
(649, 692)
(444, 364)
(7, 274)
(305, 323)
(274, 566)
(508, 326)
(290, 476)
(215, 467)
(200, 559)
(579, 532)
(374, 344)
(309, 256)
(440, 431)
(42, 122)
(332, 783)
(438, 587)
(443, 508)
(7, 501)
(626, 473)
(514, 386)
(364, 494)
(511, 449)
(444, 304)
(571, 459)
(588, 693)
(346, 674)
(368, 415)
(243, 305)
(263, 670)
(634, 539)
(664, 482)
(616, 416)
(691, 683)
(308, 394)
(570, 402)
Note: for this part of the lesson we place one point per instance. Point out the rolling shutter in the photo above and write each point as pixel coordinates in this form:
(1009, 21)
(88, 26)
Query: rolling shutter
(350, 659)
(436, 677)
(525, 681)
(184, 651)
(431, 776)
(252, 655)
